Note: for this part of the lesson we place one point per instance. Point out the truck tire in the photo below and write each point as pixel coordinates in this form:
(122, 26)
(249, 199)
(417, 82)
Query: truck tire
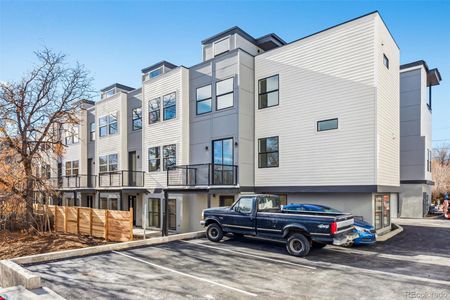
(214, 232)
(298, 245)
(317, 245)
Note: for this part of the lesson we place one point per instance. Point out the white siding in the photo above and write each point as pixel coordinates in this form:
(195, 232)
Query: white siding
(328, 75)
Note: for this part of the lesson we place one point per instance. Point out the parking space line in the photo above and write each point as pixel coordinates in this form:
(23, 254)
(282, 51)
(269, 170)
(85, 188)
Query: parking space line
(252, 255)
(187, 275)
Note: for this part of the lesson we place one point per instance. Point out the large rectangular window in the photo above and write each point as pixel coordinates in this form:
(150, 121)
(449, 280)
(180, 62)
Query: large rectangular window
(204, 100)
(102, 126)
(108, 125)
(92, 131)
(72, 135)
(327, 125)
(223, 159)
(154, 110)
(154, 159)
(136, 119)
(169, 106)
(268, 89)
(169, 156)
(72, 168)
(224, 94)
(268, 152)
(113, 123)
(108, 163)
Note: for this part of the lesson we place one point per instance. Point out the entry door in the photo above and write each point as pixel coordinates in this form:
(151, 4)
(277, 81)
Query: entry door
(132, 168)
(90, 182)
(172, 206)
(154, 212)
(89, 200)
(60, 179)
(132, 204)
(223, 159)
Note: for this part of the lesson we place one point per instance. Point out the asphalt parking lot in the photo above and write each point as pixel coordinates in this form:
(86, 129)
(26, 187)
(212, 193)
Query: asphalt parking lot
(415, 263)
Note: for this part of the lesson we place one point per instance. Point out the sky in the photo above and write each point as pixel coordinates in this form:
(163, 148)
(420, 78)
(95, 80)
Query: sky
(114, 40)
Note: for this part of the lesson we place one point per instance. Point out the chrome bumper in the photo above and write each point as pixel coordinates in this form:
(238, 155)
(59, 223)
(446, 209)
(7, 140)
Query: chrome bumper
(345, 239)
(202, 223)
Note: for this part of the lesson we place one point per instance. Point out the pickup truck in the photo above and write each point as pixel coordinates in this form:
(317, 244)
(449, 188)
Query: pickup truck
(262, 216)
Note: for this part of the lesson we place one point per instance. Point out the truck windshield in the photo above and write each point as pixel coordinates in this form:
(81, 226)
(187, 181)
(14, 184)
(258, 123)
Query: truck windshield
(269, 203)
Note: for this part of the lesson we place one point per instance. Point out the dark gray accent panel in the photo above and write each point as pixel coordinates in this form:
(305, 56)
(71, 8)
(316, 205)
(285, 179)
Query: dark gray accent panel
(327, 189)
(159, 64)
(429, 182)
(119, 86)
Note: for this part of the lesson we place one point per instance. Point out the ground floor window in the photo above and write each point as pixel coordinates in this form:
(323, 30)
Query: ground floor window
(172, 206)
(382, 211)
(226, 200)
(154, 212)
(109, 203)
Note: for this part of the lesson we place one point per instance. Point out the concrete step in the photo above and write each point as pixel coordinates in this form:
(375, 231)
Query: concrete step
(21, 293)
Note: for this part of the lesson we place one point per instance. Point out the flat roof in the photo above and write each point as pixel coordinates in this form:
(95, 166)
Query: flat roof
(159, 64)
(433, 76)
(117, 85)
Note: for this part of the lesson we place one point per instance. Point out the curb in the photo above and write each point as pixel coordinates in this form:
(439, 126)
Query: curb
(12, 274)
(390, 234)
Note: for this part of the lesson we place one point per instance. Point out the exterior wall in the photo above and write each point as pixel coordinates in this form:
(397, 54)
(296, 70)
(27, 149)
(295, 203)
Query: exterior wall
(166, 132)
(91, 144)
(387, 107)
(328, 75)
(412, 200)
(134, 136)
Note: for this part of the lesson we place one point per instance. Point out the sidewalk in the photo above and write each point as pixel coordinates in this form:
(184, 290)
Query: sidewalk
(426, 222)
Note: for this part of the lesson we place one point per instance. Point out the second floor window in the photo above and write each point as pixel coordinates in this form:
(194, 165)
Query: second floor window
(169, 156)
(72, 136)
(386, 61)
(108, 163)
(268, 152)
(113, 124)
(107, 125)
(46, 171)
(154, 159)
(72, 168)
(92, 131)
(137, 118)
(203, 98)
(268, 92)
(154, 108)
(169, 106)
(224, 94)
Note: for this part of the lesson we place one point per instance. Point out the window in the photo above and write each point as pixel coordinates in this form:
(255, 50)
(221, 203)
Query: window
(327, 125)
(226, 200)
(386, 61)
(154, 212)
(244, 206)
(92, 131)
(169, 156)
(224, 94)
(136, 119)
(154, 73)
(108, 163)
(429, 160)
(268, 152)
(204, 100)
(222, 46)
(224, 172)
(45, 171)
(169, 106)
(72, 135)
(268, 92)
(154, 159)
(113, 123)
(269, 203)
(72, 168)
(382, 211)
(109, 93)
(103, 123)
(154, 110)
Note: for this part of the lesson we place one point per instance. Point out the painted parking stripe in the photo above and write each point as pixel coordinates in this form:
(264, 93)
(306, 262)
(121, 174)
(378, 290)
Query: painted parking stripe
(187, 275)
(252, 255)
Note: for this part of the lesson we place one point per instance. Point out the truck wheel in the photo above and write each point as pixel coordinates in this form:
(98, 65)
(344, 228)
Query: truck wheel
(214, 232)
(298, 245)
(317, 245)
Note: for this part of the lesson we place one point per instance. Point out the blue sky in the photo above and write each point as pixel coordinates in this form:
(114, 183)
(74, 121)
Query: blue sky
(116, 39)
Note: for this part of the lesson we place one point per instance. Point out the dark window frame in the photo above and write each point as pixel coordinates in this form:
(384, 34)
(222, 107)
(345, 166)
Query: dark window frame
(116, 116)
(170, 106)
(138, 118)
(165, 158)
(92, 131)
(157, 111)
(385, 61)
(268, 92)
(156, 159)
(222, 140)
(224, 94)
(337, 124)
(260, 153)
(197, 101)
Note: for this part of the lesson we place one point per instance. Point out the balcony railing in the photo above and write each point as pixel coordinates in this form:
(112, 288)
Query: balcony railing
(121, 179)
(202, 175)
(78, 181)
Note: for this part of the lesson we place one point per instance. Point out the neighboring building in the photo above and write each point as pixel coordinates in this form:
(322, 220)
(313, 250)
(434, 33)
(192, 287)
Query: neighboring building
(416, 82)
(314, 120)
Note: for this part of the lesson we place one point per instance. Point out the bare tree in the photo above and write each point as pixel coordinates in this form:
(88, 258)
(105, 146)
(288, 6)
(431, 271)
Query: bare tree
(32, 111)
(441, 170)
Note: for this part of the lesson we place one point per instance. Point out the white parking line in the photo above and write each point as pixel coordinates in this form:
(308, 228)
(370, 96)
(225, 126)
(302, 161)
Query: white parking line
(188, 275)
(253, 255)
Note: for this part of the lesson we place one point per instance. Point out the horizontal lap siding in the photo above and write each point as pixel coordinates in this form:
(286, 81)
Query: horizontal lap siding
(330, 75)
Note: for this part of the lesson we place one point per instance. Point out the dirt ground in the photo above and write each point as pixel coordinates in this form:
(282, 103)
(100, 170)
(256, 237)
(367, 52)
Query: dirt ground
(16, 244)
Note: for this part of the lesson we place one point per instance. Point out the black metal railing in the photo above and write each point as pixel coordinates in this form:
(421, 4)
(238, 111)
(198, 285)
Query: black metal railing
(77, 181)
(202, 175)
(121, 178)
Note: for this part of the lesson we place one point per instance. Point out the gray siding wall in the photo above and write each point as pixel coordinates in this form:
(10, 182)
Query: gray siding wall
(134, 136)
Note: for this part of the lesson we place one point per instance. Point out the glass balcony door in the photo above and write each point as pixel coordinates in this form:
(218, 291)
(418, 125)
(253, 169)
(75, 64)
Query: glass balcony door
(223, 160)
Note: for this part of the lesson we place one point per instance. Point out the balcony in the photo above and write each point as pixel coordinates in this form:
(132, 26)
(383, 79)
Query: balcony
(77, 181)
(202, 175)
(122, 178)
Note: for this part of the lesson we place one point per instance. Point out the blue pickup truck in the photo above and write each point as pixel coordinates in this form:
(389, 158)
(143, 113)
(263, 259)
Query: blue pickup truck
(262, 216)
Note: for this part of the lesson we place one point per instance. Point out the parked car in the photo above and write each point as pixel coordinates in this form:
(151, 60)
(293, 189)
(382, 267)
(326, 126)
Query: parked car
(434, 210)
(262, 216)
(365, 231)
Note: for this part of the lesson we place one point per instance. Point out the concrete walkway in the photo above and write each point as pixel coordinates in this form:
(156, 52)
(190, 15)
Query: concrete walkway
(19, 292)
(439, 222)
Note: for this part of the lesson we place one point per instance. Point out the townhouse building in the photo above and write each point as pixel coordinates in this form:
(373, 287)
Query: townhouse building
(316, 120)
(416, 82)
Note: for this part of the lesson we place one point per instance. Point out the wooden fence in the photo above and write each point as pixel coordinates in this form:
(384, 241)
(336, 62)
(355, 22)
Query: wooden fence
(112, 225)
